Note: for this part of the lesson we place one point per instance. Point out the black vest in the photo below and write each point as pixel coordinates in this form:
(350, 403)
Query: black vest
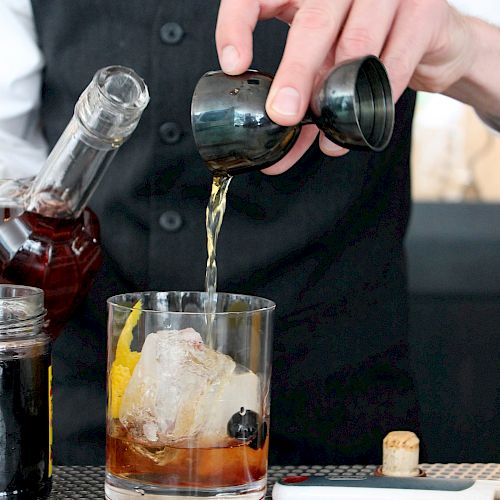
(324, 240)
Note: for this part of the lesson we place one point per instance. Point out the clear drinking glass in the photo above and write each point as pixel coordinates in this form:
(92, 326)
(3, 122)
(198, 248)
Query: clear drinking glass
(188, 396)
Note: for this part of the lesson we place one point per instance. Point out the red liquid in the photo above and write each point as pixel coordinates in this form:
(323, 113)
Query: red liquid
(60, 256)
(229, 464)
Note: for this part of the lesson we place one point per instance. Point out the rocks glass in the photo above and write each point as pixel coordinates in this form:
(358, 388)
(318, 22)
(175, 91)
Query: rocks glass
(188, 396)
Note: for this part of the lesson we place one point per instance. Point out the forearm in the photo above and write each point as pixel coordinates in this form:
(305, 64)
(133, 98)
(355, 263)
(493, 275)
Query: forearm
(480, 84)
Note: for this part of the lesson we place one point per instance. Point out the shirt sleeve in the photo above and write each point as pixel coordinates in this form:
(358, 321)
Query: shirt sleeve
(22, 146)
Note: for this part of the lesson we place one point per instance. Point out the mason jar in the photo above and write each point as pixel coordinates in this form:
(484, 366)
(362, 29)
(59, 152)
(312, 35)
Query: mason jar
(25, 395)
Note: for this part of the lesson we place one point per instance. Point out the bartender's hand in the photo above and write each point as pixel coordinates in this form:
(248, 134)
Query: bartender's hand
(424, 44)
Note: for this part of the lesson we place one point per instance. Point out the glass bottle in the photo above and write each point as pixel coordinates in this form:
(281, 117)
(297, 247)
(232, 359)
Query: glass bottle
(25, 395)
(54, 243)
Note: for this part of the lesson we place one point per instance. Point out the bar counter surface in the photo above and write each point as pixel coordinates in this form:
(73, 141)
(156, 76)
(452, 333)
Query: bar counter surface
(85, 482)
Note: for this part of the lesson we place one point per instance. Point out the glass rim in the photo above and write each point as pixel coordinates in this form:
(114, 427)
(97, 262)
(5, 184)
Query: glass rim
(139, 104)
(30, 291)
(113, 301)
(24, 307)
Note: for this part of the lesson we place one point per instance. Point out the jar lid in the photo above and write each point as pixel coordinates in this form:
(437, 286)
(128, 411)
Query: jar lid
(21, 308)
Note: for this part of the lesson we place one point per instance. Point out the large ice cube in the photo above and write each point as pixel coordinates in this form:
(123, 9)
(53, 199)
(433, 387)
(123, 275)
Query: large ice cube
(180, 388)
(241, 391)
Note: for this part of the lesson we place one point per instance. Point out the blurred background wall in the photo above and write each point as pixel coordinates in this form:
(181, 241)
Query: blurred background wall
(453, 249)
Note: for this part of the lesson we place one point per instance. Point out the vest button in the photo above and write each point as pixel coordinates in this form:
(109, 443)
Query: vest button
(170, 133)
(170, 220)
(171, 33)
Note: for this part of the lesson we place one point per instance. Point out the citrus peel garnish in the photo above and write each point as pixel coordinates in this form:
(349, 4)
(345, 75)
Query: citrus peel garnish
(124, 362)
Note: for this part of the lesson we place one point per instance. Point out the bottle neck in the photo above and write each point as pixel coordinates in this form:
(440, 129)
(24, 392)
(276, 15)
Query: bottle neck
(70, 175)
(105, 116)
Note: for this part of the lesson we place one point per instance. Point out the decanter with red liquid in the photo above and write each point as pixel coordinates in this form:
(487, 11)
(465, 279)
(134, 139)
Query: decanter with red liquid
(49, 238)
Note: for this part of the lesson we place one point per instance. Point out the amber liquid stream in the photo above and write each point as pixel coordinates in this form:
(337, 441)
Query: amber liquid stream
(214, 216)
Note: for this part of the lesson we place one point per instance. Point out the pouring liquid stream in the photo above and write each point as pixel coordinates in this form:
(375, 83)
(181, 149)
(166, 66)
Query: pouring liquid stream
(214, 216)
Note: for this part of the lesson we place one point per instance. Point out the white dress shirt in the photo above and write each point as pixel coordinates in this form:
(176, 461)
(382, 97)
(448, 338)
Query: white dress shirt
(22, 146)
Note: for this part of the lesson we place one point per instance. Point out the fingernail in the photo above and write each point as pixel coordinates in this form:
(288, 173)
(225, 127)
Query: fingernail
(229, 59)
(330, 148)
(286, 101)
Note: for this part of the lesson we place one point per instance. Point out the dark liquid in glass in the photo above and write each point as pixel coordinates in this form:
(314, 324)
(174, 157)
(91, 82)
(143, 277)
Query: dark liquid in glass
(216, 465)
(24, 420)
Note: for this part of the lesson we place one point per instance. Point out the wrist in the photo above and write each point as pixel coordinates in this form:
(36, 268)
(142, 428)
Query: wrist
(478, 83)
(492, 121)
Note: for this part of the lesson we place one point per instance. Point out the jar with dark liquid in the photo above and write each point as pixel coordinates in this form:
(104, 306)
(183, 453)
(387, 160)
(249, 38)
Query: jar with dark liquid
(49, 238)
(25, 395)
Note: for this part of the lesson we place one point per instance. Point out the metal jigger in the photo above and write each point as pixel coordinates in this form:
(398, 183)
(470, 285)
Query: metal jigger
(353, 106)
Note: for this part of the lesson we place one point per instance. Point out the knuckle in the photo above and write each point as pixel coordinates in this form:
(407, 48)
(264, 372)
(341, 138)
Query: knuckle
(399, 68)
(296, 67)
(418, 5)
(313, 18)
(432, 82)
(356, 41)
(422, 9)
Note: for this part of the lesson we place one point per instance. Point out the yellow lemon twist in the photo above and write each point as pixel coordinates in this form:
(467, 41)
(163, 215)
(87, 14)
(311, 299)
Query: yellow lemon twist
(124, 362)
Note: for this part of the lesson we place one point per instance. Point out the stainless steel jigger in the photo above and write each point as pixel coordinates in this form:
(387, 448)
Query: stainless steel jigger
(353, 106)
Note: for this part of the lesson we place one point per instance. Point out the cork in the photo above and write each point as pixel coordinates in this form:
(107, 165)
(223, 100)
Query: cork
(401, 454)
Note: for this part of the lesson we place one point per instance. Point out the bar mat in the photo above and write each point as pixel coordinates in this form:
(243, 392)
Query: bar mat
(85, 482)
